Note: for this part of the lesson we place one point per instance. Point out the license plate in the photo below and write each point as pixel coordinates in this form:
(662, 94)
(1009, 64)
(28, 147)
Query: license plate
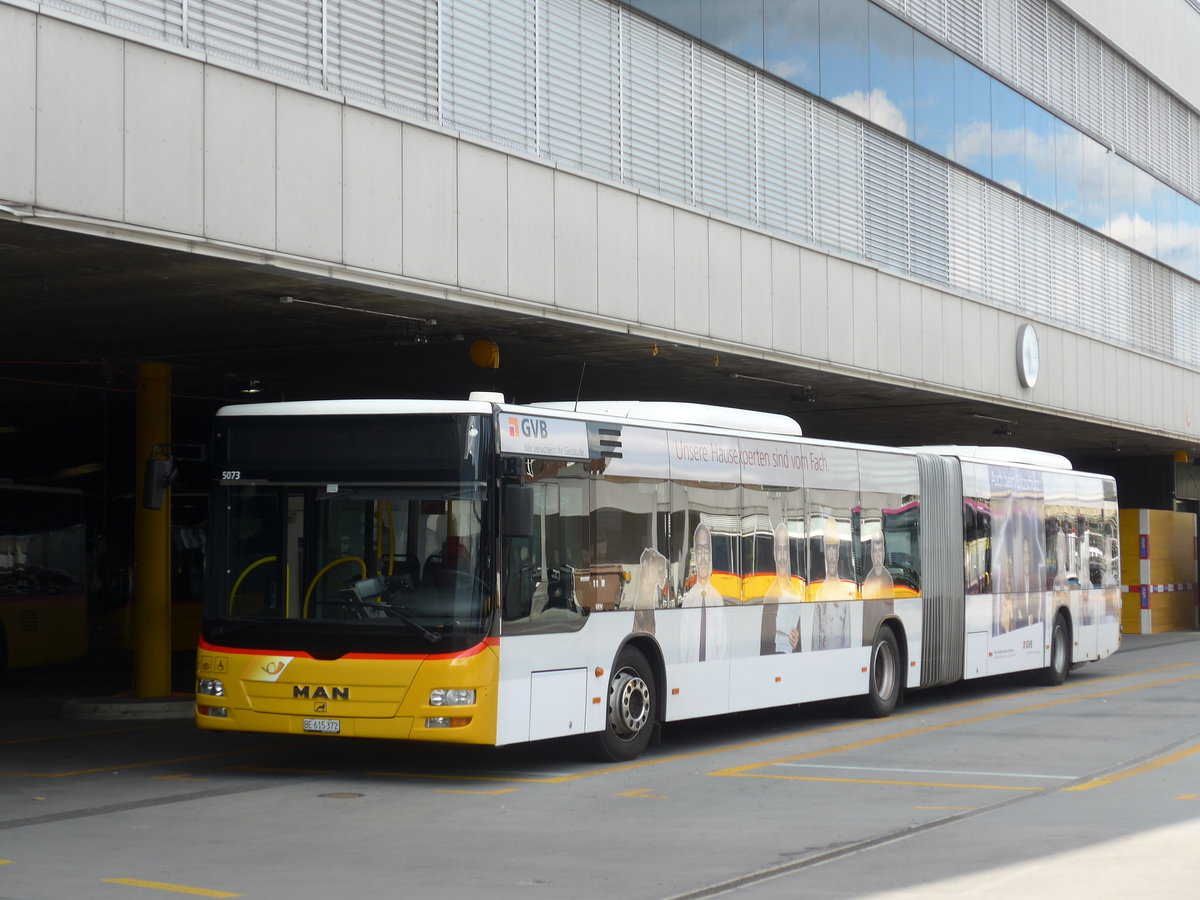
(323, 726)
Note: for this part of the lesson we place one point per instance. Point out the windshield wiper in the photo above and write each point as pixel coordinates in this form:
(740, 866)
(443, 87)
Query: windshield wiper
(394, 611)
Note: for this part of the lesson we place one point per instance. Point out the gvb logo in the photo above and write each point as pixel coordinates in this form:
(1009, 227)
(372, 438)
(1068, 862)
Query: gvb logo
(526, 427)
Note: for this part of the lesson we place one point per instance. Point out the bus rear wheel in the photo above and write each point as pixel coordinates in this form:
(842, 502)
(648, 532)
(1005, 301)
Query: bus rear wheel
(883, 691)
(632, 708)
(1060, 654)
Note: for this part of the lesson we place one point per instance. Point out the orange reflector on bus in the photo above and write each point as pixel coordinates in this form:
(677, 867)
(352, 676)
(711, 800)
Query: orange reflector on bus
(599, 672)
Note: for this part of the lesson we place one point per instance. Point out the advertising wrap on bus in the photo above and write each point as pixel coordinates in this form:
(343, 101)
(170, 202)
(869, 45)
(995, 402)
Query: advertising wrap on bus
(487, 573)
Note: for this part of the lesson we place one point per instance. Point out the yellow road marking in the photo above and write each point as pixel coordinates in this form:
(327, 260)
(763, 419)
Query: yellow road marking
(644, 794)
(174, 888)
(1187, 797)
(75, 735)
(478, 793)
(940, 784)
(5, 862)
(138, 765)
(1137, 770)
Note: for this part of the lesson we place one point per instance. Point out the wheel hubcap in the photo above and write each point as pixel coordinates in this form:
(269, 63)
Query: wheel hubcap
(628, 703)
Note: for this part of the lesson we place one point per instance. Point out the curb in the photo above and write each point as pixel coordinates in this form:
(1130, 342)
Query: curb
(178, 707)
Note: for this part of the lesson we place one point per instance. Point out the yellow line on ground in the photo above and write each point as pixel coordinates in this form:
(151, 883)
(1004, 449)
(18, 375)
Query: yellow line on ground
(1137, 770)
(5, 862)
(476, 793)
(938, 784)
(138, 765)
(644, 794)
(174, 888)
(76, 735)
(748, 771)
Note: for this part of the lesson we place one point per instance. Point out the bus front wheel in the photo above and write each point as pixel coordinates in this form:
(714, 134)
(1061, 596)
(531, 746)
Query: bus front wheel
(883, 691)
(632, 708)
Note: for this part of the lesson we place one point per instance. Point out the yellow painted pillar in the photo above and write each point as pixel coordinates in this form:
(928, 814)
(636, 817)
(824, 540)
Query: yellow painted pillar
(152, 541)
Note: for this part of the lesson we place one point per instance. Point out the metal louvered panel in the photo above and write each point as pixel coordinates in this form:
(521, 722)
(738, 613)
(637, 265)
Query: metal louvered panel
(885, 200)
(1034, 259)
(658, 129)
(943, 592)
(1138, 98)
(1033, 73)
(1116, 110)
(385, 52)
(1088, 78)
(725, 136)
(837, 181)
(1002, 249)
(786, 140)
(277, 36)
(162, 19)
(1064, 270)
(967, 235)
(489, 77)
(929, 217)
(999, 37)
(580, 101)
(965, 24)
(1061, 41)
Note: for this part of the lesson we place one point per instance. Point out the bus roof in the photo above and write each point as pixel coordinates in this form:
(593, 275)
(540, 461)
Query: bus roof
(660, 412)
(999, 455)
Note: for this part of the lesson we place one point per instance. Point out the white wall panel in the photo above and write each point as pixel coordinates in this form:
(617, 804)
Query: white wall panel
(756, 289)
(887, 323)
(911, 360)
(972, 336)
(80, 102)
(164, 140)
(483, 206)
(954, 344)
(18, 104)
(724, 281)
(933, 337)
(692, 300)
(841, 311)
(990, 354)
(1069, 370)
(865, 332)
(785, 297)
(575, 258)
(655, 263)
(616, 233)
(430, 205)
(530, 231)
(239, 159)
(814, 304)
(372, 186)
(1050, 379)
(309, 172)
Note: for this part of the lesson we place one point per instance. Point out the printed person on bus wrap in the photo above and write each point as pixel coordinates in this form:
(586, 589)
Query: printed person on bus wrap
(652, 581)
(879, 588)
(702, 632)
(781, 631)
(831, 619)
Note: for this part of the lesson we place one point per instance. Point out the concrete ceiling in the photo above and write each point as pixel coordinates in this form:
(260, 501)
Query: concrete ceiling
(80, 313)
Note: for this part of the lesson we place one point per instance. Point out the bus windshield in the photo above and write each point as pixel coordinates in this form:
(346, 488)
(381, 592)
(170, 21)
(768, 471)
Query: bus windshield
(379, 555)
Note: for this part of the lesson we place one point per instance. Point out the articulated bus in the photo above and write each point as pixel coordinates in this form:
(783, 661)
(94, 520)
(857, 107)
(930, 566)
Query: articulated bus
(486, 573)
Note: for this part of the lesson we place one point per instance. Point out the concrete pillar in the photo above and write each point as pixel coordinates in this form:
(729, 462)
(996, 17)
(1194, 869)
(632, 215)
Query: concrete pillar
(152, 541)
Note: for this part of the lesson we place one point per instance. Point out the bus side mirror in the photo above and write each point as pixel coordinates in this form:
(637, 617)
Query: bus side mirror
(160, 474)
(518, 510)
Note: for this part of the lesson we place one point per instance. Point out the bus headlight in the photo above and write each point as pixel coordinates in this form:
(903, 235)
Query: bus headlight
(452, 697)
(210, 687)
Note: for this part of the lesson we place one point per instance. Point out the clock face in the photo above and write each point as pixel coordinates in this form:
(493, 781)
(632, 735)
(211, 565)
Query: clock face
(1027, 355)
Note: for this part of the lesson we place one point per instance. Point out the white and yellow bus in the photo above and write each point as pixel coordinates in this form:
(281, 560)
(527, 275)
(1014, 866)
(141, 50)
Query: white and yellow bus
(486, 573)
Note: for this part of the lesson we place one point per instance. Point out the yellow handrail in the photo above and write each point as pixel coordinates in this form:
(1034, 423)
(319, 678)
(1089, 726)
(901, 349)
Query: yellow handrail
(337, 562)
(287, 597)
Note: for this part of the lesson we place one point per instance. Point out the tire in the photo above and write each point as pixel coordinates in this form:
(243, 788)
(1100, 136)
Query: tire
(883, 691)
(1060, 654)
(632, 708)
